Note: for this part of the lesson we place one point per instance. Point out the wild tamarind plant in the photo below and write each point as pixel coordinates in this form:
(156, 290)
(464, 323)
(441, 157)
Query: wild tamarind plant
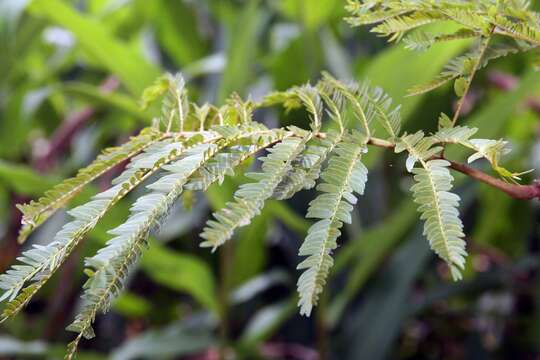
(191, 147)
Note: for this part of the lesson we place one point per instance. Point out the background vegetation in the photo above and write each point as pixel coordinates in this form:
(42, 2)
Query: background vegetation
(71, 74)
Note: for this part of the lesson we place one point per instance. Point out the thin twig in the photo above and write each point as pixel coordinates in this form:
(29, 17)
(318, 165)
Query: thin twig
(483, 48)
(521, 192)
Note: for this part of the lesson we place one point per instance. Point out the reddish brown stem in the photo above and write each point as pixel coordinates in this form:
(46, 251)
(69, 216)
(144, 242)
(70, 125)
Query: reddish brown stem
(521, 192)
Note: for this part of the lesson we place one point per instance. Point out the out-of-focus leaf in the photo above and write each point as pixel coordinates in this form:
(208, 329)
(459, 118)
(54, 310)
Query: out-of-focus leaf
(212, 64)
(374, 326)
(241, 49)
(114, 100)
(24, 180)
(266, 321)
(311, 16)
(173, 341)
(14, 126)
(131, 305)
(14, 347)
(250, 252)
(296, 63)
(10, 11)
(131, 68)
(365, 253)
(177, 29)
(290, 218)
(16, 36)
(336, 56)
(251, 288)
(180, 272)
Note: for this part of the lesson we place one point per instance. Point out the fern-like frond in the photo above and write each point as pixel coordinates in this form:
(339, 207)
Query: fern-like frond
(306, 167)
(363, 16)
(462, 66)
(249, 199)
(112, 264)
(40, 263)
(344, 175)
(529, 32)
(389, 116)
(443, 227)
(492, 150)
(36, 212)
(514, 19)
(477, 19)
(433, 182)
(395, 27)
(353, 92)
(321, 151)
(422, 40)
(224, 163)
(455, 135)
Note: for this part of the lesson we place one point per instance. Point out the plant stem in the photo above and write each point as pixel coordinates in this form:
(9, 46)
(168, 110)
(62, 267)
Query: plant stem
(483, 47)
(520, 192)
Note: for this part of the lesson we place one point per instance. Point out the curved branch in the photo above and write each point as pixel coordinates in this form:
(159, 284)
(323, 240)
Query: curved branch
(516, 191)
(521, 192)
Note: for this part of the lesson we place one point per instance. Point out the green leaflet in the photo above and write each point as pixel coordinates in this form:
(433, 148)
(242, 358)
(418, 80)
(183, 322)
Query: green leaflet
(437, 204)
(250, 198)
(422, 40)
(36, 212)
(368, 103)
(395, 27)
(353, 93)
(344, 175)
(455, 135)
(513, 18)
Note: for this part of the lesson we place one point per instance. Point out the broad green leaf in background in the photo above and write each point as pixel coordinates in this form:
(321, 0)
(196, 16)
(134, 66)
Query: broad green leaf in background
(180, 272)
(131, 305)
(364, 254)
(250, 250)
(117, 101)
(172, 341)
(312, 16)
(24, 180)
(131, 68)
(241, 50)
(266, 321)
(176, 28)
(373, 328)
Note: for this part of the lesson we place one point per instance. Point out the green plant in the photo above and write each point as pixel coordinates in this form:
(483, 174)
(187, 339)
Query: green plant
(192, 147)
